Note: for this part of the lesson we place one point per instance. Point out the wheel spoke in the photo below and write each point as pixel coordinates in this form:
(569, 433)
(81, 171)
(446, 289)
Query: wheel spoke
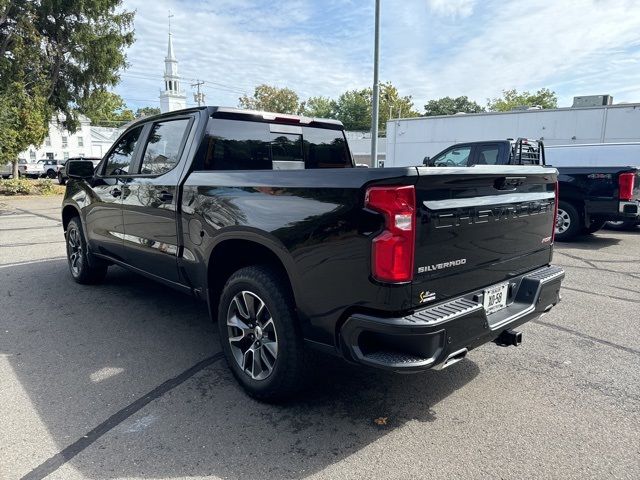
(272, 347)
(241, 306)
(236, 322)
(256, 364)
(266, 361)
(250, 302)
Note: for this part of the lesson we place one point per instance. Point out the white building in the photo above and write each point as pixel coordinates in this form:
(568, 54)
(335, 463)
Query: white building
(172, 98)
(60, 144)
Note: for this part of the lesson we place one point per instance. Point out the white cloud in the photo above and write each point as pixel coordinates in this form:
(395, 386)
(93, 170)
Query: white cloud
(452, 8)
(579, 46)
(430, 48)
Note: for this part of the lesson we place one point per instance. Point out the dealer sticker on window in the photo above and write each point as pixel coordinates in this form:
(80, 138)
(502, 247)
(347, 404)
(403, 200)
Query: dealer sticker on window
(495, 298)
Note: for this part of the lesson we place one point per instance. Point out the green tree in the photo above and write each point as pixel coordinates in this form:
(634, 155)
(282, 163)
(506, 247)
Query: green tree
(394, 105)
(319, 107)
(105, 109)
(147, 112)
(451, 106)
(56, 53)
(354, 107)
(511, 99)
(23, 122)
(272, 99)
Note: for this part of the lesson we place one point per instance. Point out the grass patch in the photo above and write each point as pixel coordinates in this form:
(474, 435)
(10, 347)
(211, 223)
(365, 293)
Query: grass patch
(26, 186)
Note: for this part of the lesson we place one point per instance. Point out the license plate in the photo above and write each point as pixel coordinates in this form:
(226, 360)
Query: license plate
(495, 298)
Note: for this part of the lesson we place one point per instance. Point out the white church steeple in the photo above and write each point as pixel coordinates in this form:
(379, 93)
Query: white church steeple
(172, 98)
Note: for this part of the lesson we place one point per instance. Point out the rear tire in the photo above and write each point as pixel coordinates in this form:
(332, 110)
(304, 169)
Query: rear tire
(82, 270)
(623, 225)
(569, 223)
(260, 334)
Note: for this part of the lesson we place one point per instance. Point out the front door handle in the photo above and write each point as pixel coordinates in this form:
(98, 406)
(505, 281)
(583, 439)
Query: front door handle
(165, 196)
(116, 192)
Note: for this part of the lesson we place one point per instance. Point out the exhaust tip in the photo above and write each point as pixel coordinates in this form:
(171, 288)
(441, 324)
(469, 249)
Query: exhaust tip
(452, 359)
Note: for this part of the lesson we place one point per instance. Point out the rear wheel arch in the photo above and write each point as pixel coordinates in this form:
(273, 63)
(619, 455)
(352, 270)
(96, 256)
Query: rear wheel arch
(230, 255)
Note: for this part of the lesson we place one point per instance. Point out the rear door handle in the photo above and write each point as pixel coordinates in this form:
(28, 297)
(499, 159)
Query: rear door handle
(165, 196)
(116, 192)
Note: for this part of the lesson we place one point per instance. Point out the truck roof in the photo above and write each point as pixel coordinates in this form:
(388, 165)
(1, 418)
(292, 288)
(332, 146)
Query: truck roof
(253, 115)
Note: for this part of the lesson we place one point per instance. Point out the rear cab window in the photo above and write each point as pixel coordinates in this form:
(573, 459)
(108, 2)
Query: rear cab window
(248, 145)
(488, 154)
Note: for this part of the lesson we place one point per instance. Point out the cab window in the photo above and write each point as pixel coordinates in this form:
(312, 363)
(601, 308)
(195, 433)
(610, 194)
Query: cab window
(456, 157)
(162, 151)
(487, 154)
(120, 158)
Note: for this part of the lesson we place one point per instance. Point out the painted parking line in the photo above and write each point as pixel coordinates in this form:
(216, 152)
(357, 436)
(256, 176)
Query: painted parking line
(59, 459)
(31, 262)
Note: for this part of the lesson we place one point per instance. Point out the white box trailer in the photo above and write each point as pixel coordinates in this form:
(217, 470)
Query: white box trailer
(410, 140)
(594, 155)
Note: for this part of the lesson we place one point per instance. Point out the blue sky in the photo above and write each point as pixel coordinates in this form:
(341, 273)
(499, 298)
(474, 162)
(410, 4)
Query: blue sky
(430, 48)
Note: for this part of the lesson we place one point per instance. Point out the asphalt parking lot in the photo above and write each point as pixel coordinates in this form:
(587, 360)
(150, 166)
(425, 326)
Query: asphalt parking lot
(124, 380)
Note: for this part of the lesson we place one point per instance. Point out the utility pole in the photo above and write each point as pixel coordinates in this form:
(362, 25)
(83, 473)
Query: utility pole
(376, 92)
(199, 96)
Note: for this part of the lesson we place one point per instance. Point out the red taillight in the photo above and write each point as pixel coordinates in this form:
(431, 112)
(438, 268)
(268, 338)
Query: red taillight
(626, 183)
(555, 212)
(392, 250)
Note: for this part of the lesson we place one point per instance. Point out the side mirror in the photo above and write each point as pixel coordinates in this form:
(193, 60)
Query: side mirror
(427, 161)
(82, 169)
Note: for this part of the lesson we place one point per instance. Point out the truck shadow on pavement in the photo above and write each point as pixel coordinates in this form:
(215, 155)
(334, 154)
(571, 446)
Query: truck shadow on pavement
(595, 242)
(80, 354)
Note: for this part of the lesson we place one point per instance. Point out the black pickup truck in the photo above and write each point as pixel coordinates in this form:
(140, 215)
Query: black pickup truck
(266, 218)
(589, 196)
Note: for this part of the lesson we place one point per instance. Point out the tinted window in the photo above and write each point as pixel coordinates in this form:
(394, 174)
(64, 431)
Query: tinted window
(487, 155)
(325, 148)
(456, 157)
(120, 158)
(286, 147)
(163, 147)
(235, 145)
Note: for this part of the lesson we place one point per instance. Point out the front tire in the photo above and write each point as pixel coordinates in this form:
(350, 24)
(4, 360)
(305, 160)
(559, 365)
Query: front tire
(260, 335)
(51, 174)
(82, 271)
(61, 180)
(569, 223)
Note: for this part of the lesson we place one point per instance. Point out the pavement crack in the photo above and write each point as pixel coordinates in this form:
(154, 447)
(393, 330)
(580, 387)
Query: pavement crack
(613, 297)
(588, 337)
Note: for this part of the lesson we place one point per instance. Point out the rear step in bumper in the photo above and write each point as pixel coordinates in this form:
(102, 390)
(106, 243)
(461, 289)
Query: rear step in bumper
(441, 335)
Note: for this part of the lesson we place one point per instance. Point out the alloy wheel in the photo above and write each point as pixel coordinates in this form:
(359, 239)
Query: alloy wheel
(74, 251)
(252, 335)
(563, 222)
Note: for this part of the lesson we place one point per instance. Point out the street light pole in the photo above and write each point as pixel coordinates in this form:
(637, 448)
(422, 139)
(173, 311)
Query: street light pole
(376, 93)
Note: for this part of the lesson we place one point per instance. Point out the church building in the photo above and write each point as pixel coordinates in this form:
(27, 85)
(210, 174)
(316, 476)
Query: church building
(172, 98)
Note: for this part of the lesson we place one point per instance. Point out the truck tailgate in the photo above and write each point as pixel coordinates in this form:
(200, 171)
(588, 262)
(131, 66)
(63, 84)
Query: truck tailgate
(479, 226)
